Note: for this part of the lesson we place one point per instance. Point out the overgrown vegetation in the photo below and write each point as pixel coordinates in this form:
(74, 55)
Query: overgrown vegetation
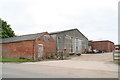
(118, 63)
(5, 30)
(16, 60)
(57, 56)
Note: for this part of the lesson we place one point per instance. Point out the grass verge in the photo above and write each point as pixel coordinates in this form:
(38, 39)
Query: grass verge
(16, 60)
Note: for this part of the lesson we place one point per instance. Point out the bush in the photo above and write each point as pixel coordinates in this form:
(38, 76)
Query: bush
(57, 55)
(78, 54)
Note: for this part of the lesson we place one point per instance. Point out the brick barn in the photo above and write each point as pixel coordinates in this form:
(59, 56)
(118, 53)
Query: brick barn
(104, 45)
(32, 46)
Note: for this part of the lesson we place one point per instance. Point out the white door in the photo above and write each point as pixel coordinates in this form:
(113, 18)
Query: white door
(40, 50)
(79, 46)
(73, 45)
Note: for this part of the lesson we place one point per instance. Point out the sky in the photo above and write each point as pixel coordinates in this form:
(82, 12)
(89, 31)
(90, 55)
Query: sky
(96, 19)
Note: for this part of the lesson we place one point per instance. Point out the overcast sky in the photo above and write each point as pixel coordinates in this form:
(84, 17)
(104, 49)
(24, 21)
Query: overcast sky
(96, 19)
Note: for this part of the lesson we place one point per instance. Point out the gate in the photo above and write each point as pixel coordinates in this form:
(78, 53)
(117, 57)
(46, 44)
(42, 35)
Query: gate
(116, 53)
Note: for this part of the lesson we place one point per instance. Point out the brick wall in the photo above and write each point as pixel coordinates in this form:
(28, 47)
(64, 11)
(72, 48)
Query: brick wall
(106, 46)
(48, 46)
(18, 50)
(28, 49)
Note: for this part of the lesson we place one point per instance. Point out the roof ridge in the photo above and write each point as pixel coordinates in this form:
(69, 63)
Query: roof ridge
(31, 34)
(22, 38)
(103, 41)
(68, 30)
(63, 30)
(23, 35)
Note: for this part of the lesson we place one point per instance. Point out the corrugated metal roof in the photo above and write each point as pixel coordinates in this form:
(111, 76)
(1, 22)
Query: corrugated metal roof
(62, 31)
(22, 38)
(67, 31)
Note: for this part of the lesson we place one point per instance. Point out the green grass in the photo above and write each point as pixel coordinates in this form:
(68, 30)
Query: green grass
(118, 63)
(16, 60)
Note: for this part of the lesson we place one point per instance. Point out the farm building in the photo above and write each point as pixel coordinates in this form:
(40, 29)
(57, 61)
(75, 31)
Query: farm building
(105, 45)
(70, 41)
(32, 46)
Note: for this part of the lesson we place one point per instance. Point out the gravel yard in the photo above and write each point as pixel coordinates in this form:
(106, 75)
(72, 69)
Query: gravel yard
(84, 66)
(105, 57)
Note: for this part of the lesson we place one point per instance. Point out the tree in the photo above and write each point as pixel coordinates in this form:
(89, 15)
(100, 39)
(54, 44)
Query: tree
(5, 30)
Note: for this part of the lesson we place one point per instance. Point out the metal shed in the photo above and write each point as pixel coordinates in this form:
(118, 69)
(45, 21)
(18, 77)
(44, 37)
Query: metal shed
(72, 41)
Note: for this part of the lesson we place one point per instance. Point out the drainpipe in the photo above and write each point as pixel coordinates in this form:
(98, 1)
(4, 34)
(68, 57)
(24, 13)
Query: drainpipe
(57, 43)
(33, 49)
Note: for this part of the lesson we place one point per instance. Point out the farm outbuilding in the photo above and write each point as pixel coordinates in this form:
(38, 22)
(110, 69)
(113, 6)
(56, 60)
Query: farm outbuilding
(104, 45)
(32, 46)
(70, 41)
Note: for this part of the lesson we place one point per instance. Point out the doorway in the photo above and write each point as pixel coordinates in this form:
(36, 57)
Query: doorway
(40, 51)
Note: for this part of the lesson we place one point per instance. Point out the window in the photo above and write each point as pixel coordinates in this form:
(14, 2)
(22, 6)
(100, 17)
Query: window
(46, 37)
(59, 37)
(67, 42)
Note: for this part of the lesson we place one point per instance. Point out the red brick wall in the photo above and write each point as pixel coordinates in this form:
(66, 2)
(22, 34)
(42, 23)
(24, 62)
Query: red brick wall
(28, 49)
(18, 50)
(111, 47)
(49, 46)
(103, 45)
